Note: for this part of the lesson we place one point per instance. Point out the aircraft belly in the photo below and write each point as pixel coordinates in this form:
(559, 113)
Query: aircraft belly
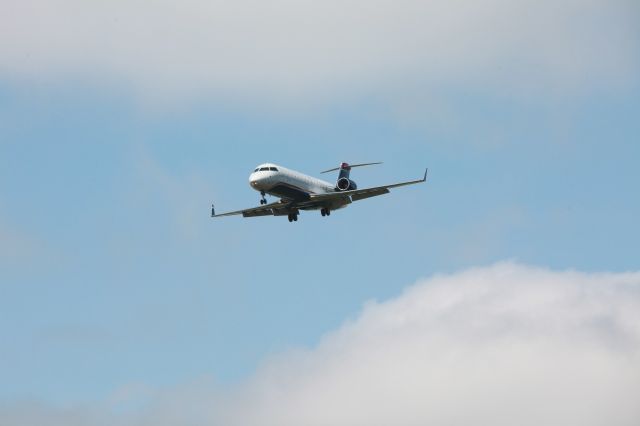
(288, 192)
(331, 205)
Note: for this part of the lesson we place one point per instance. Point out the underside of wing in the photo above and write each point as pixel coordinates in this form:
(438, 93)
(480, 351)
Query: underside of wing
(368, 194)
(361, 194)
(272, 209)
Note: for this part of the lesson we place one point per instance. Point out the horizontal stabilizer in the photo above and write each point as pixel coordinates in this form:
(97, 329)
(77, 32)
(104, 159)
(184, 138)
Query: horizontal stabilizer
(350, 166)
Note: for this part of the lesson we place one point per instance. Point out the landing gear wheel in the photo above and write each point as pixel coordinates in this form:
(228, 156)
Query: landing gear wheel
(290, 218)
(328, 212)
(323, 212)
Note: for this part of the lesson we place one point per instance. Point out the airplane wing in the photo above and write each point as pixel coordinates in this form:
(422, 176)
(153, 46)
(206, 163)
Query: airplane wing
(266, 210)
(361, 194)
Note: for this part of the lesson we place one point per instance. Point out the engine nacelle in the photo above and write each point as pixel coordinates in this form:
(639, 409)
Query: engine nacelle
(346, 184)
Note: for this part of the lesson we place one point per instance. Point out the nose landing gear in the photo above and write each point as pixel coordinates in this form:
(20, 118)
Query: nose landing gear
(263, 200)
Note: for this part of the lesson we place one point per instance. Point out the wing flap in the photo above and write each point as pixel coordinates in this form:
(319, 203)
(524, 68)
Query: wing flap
(256, 213)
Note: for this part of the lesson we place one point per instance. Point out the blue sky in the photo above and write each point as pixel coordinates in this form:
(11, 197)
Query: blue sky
(112, 273)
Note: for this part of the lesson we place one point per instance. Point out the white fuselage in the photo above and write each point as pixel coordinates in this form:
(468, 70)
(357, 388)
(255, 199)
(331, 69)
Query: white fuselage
(285, 183)
(266, 180)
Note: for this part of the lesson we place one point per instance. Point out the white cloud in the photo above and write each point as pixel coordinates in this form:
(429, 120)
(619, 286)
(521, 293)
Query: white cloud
(501, 345)
(310, 51)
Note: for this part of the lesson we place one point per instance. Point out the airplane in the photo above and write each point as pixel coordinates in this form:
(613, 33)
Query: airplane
(298, 191)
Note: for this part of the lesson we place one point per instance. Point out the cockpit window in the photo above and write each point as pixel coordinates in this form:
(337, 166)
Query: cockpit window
(273, 169)
(257, 168)
(262, 169)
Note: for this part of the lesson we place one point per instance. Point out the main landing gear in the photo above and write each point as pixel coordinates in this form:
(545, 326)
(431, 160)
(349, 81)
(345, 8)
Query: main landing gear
(263, 200)
(293, 217)
(325, 212)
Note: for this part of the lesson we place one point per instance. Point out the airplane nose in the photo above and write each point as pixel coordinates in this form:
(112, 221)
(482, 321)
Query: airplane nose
(254, 181)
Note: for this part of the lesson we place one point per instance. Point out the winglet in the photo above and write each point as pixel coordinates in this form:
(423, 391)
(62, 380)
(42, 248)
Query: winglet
(425, 174)
(213, 211)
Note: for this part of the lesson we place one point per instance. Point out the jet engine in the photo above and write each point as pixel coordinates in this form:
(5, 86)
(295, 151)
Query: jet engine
(345, 184)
